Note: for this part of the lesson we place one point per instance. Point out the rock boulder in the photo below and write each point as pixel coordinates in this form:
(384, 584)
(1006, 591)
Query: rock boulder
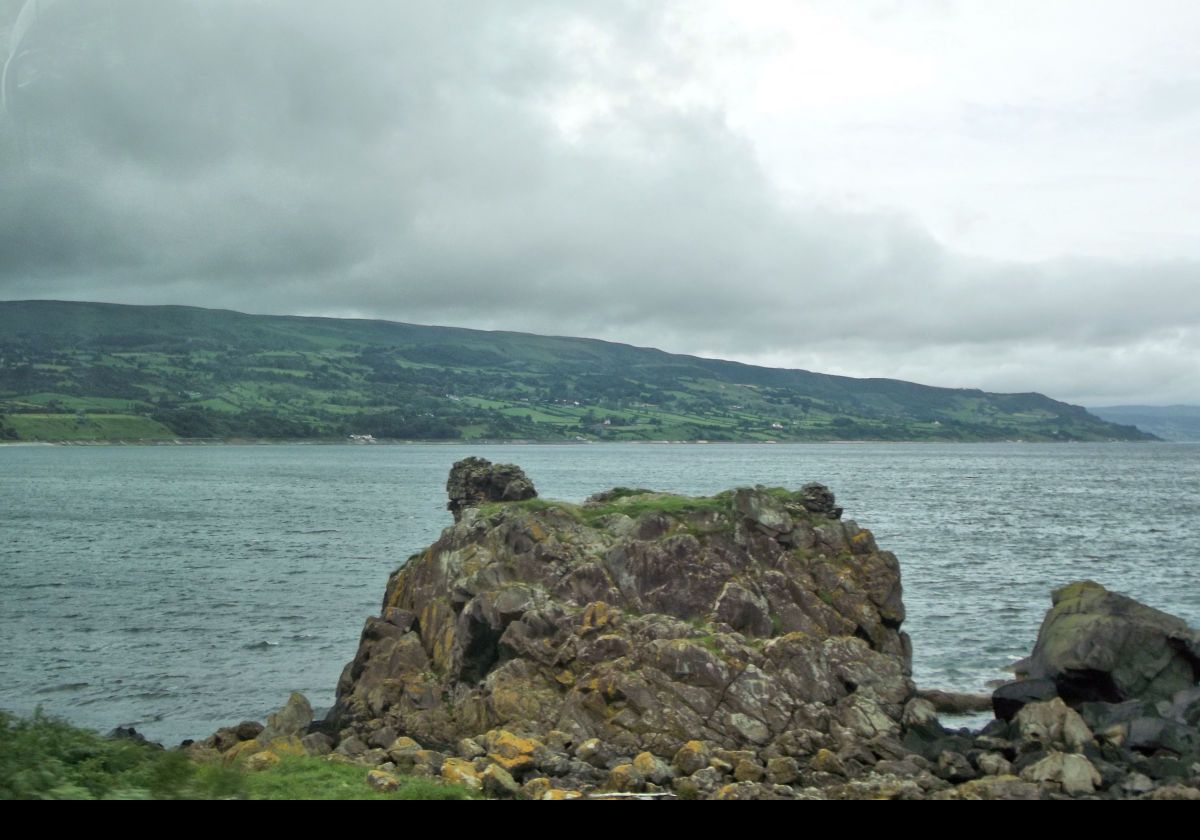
(1097, 645)
(752, 620)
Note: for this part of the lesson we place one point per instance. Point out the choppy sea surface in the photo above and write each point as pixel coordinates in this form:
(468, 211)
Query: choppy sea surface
(179, 589)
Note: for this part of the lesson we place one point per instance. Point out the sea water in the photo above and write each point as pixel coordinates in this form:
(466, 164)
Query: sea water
(182, 588)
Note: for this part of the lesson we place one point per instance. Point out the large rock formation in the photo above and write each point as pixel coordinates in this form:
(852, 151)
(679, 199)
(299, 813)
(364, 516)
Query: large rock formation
(742, 646)
(752, 620)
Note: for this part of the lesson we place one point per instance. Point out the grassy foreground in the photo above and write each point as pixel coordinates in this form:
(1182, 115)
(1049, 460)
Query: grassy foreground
(44, 758)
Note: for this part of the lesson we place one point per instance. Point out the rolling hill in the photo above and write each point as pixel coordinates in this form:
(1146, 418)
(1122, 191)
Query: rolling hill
(95, 371)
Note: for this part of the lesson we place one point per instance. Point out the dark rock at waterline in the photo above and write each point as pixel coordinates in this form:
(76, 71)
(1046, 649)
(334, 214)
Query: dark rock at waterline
(1098, 645)
(1011, 697)
(477, 481)
(128, 733)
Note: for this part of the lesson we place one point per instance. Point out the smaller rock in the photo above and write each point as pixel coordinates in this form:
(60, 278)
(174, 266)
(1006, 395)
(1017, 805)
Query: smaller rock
(997, 788)
(351, 747)
(512, 752)
(293, 719)
(653, 768)
(225, 739)
(707, 779)
(954, 767)
(459, 771)
(1136, 784)
(431, 760)
(382, 781)
(1054, 723)
(536, 788)
(499, 784)
(374, 757)
(919, 712)
(382, 738)
(1071, 773)
(691, 757)
(261, 761)
(826, 761)
(783, 770)
(749, 771)
(469, 748)
(817, 498)
(317, 743)
(248, 730)
(993, 764)
(625, 778)
(595, 752)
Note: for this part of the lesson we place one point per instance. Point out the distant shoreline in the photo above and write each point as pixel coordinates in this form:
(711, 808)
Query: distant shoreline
(526, 442)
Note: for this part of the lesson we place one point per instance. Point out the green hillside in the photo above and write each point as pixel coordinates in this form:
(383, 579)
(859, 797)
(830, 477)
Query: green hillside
(91, 371)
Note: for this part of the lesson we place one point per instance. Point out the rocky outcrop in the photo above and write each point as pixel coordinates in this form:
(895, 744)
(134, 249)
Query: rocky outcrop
(743, 646)
(1097, 645)
(476, 481)
(754, 621)
(1107, 703)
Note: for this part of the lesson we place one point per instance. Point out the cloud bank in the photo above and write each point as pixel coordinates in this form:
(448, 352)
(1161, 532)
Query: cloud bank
(538, 166)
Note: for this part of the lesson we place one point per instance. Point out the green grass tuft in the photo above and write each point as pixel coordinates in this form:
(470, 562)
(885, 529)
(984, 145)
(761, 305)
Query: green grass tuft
(45, 758)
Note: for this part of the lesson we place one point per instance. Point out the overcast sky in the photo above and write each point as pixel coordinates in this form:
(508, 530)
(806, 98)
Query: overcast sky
(981, 194)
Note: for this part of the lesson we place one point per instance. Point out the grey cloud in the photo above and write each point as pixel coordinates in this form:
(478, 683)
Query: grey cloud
(402, 162)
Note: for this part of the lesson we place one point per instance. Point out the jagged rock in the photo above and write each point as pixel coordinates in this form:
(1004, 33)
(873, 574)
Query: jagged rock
(459, 771)
(293, 719)
(691, 757)
(994, 788)
(826, 761)
(476, 481)
(382, 781)
(625, 778)
(919, 712)
(317, 743)
(499, 784)
(1053, 724)
(639, 622)
(817, 498)
(261, 761)
(1100, 645)
(653, 768)
(954, 767)
(783, 770)
(1071, 773)
(993, 764)
(248, 729)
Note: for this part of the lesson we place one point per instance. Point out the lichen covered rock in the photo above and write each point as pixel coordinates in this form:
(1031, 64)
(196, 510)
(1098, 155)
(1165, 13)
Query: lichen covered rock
(642, 620)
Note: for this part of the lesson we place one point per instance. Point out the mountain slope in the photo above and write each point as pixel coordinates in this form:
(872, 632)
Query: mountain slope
(191, 372)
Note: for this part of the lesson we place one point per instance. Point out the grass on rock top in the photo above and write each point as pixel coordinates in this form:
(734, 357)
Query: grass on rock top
(626, 501)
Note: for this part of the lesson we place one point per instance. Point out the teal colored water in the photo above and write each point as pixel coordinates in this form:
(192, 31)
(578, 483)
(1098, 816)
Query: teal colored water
(179, 589)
